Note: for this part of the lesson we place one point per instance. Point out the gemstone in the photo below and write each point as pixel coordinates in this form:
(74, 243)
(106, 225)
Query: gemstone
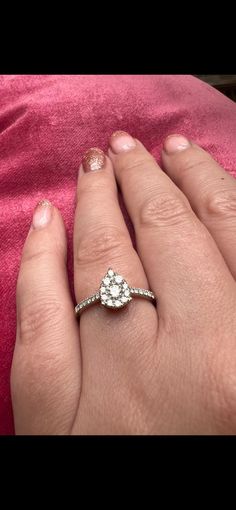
(115, 290)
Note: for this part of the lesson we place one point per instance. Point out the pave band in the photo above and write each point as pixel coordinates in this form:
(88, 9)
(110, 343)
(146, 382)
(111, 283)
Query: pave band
(114, 293)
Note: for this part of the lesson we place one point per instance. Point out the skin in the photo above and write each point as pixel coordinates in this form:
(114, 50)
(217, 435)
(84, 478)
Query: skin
(169, 369)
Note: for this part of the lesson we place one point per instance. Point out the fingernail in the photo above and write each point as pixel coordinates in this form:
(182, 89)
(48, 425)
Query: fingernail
(42, 214)
(120, 141)
(94, 159)
(175, 143)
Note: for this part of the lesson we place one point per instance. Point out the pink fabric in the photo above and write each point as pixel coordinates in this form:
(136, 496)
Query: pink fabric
(46, 124)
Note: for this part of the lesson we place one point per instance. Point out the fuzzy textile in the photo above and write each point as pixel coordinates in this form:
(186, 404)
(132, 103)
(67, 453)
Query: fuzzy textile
(46, 124)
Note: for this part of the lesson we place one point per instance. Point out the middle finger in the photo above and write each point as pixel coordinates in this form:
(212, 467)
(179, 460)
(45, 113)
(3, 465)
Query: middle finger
(178, 253)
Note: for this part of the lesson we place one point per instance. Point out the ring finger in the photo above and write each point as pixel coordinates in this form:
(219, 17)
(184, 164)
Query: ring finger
(102, 240)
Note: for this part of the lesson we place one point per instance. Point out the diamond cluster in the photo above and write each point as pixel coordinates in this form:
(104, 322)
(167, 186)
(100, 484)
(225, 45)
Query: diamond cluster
(114, 290)
(114, 293)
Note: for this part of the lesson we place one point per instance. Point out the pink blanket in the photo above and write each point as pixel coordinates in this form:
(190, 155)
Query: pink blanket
(46, 124)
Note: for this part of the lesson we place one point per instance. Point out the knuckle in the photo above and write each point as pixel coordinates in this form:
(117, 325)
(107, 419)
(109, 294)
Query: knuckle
(33, 256)
(40, 317)
(191, 164)
(222, 203)
(94, 187)
(188, 163)
(40, 257)
(99, 243)
(130, 162)
(164, 210)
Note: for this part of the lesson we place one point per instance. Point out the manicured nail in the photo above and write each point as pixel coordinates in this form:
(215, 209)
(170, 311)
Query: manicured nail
(94, 159)
(42, 214)
(120, 141)
(175, 143)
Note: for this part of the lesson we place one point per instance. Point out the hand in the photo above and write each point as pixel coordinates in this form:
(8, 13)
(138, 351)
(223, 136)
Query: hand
(169, 369)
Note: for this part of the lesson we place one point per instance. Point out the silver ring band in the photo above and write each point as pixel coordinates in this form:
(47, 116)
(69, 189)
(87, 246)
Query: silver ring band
(114, 293)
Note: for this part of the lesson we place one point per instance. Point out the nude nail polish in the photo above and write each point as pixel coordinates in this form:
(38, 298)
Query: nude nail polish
(42, 214)
(120, 141)
(176, 143)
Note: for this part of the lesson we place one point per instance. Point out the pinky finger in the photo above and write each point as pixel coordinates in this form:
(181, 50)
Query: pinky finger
(45, 377)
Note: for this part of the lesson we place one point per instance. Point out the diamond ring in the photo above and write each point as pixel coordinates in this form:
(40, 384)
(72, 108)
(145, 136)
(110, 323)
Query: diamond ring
(115, 293)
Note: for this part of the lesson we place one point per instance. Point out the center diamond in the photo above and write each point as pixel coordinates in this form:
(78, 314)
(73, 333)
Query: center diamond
(114, 290)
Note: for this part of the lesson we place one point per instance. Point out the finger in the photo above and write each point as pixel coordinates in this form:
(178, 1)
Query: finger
(109, 339)
(101, 238)
(45, 378)
(210, 190)
(174, 246)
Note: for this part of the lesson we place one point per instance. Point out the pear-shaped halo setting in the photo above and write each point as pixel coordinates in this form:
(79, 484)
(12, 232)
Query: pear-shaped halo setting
(114, 290)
